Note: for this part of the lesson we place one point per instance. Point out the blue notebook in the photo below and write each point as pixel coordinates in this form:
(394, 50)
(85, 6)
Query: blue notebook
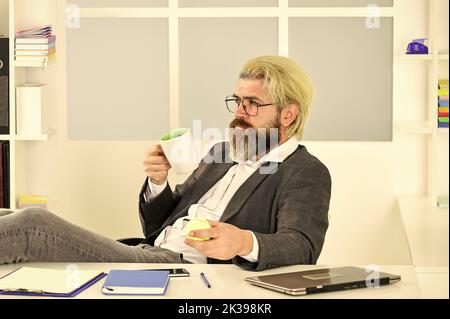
(136, 282)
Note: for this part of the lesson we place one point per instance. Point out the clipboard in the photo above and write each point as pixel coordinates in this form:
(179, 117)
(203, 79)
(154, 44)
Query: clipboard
(36, 293)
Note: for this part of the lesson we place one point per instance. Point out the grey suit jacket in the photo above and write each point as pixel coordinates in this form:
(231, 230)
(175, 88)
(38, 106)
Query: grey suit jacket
(287, 209)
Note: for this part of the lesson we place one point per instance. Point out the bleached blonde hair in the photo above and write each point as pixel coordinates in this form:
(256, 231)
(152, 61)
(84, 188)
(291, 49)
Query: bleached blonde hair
(285, 83)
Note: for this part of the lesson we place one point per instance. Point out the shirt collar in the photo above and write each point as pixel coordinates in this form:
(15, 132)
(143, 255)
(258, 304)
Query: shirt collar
(278, 154)
(281, 152)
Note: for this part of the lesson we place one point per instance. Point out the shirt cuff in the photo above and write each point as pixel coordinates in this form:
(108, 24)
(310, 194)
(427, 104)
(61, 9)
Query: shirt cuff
(153, 190)
(253, 256)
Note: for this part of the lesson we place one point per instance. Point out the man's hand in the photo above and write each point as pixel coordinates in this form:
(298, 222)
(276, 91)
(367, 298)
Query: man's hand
(226, 241)
(156, 165)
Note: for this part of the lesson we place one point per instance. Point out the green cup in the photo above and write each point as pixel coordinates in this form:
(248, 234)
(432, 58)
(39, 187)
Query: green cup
(179, 148)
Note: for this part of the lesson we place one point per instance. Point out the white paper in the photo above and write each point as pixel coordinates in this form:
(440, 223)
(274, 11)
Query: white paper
(46, 280)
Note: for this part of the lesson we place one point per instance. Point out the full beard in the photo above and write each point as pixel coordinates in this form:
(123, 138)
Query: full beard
(250, 143)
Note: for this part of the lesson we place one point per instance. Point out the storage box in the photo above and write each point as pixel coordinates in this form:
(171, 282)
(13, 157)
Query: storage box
(29, 118)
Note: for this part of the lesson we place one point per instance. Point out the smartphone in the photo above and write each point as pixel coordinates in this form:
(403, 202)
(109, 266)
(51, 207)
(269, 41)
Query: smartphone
(175, 272)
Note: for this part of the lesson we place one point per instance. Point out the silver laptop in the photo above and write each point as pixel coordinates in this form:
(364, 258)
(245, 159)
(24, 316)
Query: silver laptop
(323, 280)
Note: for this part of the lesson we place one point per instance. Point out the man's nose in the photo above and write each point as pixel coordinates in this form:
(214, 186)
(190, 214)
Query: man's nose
(240, 111)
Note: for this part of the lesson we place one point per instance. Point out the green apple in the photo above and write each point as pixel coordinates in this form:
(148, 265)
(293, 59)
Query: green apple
(196, 224)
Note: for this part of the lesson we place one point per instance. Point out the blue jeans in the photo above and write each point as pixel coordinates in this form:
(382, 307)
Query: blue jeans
(36, 235)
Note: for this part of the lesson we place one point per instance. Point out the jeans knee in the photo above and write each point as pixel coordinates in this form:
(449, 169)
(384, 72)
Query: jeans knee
(35, 215)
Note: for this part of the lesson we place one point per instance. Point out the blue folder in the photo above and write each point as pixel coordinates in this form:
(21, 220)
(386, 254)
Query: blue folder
(443, 103)
(136, 282)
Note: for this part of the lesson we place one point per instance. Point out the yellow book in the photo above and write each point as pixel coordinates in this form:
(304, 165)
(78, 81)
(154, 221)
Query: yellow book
(442, 92)
(443, 109)
(443, 82)
(35, 58)
(33, 199)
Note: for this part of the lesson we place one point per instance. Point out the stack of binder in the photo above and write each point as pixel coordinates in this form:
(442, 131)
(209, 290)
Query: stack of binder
(35, 47)
(26, 200)
(443, 104)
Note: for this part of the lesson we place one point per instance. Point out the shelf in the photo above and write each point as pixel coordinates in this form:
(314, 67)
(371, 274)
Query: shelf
(422, 57)
(426, 230)
(417, 127)
(416, 57)
(42, 66)
(5, 137)
(42, 137)
(414, 127)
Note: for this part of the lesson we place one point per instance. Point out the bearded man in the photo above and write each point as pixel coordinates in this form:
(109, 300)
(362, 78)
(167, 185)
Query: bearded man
(264, 195)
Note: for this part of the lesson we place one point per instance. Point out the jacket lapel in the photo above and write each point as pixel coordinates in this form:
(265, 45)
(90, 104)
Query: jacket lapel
(247, 189)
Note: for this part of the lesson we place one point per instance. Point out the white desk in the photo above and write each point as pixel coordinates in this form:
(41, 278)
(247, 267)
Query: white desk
(426, 229)
(433, 282)
(228, 282)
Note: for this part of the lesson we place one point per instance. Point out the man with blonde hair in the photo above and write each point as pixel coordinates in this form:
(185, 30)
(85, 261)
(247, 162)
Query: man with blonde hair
(262, 215)
(265, 197)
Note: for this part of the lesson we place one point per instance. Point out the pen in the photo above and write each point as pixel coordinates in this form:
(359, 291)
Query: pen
(202, 275)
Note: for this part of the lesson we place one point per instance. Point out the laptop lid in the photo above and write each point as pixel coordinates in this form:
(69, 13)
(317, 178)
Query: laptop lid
(323, 280)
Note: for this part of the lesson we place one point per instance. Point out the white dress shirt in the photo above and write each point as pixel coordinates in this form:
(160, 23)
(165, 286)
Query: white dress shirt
(212, 205)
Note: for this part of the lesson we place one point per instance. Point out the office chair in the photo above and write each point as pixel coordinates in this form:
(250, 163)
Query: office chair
(130, 241)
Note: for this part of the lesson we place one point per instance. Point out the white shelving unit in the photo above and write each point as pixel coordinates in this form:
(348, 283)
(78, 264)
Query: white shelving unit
(429, 127)
(435, 26)
(425, 224)
(17, 18)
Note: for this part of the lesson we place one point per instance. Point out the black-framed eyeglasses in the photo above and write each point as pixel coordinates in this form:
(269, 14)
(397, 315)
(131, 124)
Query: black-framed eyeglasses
(250, 106)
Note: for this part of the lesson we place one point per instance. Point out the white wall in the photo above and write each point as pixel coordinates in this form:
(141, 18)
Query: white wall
(96, 184)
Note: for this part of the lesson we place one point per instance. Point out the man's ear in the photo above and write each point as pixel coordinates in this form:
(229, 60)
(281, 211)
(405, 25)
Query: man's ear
(288, 115)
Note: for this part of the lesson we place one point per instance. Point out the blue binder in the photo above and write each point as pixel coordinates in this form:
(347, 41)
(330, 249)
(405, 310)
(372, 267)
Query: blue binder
(443, 103)
(136, 282)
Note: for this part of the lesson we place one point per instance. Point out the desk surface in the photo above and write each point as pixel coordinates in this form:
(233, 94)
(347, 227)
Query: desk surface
(227, 282)
(427, 231)
(433, 282)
